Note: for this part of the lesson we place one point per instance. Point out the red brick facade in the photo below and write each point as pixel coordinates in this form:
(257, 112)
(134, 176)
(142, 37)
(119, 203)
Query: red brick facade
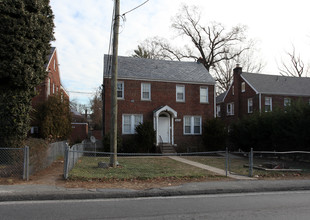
(51, 84)
(162, 94)
(79, 132)
(240, 98)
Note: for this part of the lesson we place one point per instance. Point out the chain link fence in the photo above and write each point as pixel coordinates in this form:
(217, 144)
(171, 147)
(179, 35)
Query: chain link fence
(14, 163)
(250, 164)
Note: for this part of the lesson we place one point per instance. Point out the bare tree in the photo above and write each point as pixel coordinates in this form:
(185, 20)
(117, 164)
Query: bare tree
(295, 66)
(157, 48)
(214, 45)
(223, 71)
(96, 109)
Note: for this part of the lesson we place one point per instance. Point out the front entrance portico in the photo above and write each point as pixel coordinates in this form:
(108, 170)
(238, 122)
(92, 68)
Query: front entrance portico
(164, 124)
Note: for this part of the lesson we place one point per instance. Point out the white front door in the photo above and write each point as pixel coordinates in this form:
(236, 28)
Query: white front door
(164, 128)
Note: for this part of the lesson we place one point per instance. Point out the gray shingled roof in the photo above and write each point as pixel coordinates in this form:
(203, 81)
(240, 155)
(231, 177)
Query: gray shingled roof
(159, 70)
(283, 85)
(220, 97)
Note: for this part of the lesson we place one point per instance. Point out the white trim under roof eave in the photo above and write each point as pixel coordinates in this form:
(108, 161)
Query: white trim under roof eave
(162, 80)
(51, 59)
(284, 94)
(232, 82)
(249, 84)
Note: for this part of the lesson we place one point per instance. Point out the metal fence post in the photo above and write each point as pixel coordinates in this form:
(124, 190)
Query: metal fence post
(251, 163)
(26, 163)
(226, 161)
(66, 162)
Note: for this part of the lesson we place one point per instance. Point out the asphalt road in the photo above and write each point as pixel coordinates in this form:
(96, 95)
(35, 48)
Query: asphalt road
(272, 205)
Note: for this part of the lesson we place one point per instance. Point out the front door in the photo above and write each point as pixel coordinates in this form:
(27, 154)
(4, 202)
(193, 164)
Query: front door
(164, 128)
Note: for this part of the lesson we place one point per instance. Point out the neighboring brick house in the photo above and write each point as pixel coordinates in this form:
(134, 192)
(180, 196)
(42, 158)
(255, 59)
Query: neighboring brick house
(253, 92)
(175, 96)
(50, 86)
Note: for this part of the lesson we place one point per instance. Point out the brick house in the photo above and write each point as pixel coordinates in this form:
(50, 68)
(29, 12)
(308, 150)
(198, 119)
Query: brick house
(175, 96)
(252, 92)
(50, 86)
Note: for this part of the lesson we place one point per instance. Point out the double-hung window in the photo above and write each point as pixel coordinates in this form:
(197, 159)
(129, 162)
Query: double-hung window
(120, 90)
(48, 87)
(243, 87)
(250, 105)
(204, 95)
(145, 91)
(180, 93)
(192, 125)
(287, 102)
(130, 122)
(230, 108)
(268, 104)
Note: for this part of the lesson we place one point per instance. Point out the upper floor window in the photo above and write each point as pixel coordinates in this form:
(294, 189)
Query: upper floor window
(287, 102)
(120, 90)
(243, 87)
(48, 92)
(53, 88)
(250, 105)
(145, 91)
(54, 64)
(180, 93)
(268, 104)
(130, 122)
(204, 97)
(192, 125)
(230, 108)
(233, 90)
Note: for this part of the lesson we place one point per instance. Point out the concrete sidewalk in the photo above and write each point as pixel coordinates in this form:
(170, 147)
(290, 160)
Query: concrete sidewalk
(47, 192)
(212, 169)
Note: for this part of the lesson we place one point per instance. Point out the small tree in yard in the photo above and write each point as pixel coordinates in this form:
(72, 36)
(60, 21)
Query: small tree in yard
(26, 31)
(145, 138)
(214, 134)
(55, 118)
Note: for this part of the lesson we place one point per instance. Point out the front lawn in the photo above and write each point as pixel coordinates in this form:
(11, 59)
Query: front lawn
(236, 165)
(137, 168)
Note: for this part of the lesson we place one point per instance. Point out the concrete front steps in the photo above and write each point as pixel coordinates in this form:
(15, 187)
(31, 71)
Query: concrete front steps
(167, 149)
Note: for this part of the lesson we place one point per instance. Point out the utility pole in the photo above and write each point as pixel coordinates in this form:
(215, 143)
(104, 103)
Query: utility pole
(113, 137)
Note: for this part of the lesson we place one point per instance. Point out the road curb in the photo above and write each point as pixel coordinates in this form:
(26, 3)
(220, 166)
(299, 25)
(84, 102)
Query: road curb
(205, 188)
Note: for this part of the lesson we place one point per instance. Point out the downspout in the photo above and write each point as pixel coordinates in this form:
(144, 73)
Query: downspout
(103, 109)
(260, 102)
(214, 104)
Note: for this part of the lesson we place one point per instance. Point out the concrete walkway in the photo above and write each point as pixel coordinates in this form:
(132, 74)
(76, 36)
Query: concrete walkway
(212, 169)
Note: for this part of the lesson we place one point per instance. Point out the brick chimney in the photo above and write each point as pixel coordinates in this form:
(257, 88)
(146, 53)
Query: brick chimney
(238, 69)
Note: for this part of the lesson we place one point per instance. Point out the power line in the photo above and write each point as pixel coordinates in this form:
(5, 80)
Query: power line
(134, 8)
(81, 92)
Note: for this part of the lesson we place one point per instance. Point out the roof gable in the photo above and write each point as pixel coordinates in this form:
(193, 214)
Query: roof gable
(278, 85)
(159, 70)
(49, 57)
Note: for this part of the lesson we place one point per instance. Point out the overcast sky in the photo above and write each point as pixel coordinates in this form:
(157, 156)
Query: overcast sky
(83, 30)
